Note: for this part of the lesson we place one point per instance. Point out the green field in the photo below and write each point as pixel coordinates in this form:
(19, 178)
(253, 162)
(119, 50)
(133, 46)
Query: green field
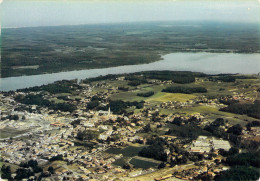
(215, 90)
(165, 97)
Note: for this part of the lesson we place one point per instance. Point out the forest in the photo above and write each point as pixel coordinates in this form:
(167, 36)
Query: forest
(38, 100)
(185, 90)
(248, 109)
(38, 50)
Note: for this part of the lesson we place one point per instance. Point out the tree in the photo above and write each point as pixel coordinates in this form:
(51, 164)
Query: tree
(32, 163)
(185, 90)
(233, 151)
(146, 94)
(6, 172)
(161, 165)
(155, 151)
(239, 173)
(22, 173)
(87, 135)
(127, 166)
(147, 128)
(58, 157)
(75, 123)
(93, 104)
(236, 129)
(51, 170)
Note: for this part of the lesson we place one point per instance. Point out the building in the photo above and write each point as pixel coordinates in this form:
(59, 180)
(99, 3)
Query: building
(220, 144)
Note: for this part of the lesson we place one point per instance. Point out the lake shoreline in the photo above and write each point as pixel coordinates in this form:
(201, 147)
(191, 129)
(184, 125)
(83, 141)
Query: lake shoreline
(104, 67)
(208, 63)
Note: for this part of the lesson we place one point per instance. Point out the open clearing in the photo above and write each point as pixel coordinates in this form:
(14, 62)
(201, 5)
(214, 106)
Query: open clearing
(165, 97)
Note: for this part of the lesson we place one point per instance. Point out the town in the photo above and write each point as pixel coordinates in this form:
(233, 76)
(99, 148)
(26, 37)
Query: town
(160, 125)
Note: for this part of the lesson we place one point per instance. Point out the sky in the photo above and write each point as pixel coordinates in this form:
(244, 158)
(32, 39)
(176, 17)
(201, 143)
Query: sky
(29, 13)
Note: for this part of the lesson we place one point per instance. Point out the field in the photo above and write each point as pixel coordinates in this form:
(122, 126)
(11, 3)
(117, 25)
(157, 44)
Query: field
(215, 90)
(163, 172)
(165, 97)
(130, 155)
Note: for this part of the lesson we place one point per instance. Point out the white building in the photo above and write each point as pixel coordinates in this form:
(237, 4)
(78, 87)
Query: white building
(220, 144)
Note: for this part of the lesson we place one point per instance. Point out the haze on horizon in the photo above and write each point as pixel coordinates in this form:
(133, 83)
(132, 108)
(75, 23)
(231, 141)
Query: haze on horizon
(30, 13)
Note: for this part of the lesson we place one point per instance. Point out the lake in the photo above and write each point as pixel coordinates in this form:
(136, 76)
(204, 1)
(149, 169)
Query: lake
(210, 63)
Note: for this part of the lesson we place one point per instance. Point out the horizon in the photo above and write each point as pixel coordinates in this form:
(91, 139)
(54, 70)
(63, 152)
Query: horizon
(33, 13)
(135, 22)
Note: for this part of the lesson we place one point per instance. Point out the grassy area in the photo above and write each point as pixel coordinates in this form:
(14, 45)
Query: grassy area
(9, 132)
(211, 113)
(215, 89)
(56, 101)
(165, 97)
(63, 94)
(131, 95)
(163, 172)
(56, 165)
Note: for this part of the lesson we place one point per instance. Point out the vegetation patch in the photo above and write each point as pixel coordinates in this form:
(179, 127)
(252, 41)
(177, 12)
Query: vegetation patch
(64, 86)
(165, 97)
(176, 77)
(239, 173)
(38, 99)
(185, 90)
(248, 109)
(145, 94)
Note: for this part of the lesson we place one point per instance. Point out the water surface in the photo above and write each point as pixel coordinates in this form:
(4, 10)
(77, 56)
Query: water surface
(198, 62)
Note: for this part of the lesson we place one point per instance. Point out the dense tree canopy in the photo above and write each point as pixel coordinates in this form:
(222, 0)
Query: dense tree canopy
(177, 77)
(38, 99)
(146, 94)
(248, 109)
(236, 129)
(185, 90)
(87, 135)
(64, 86)
(6, 172)
(247, 159)
(239, 173)
(155, 151)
